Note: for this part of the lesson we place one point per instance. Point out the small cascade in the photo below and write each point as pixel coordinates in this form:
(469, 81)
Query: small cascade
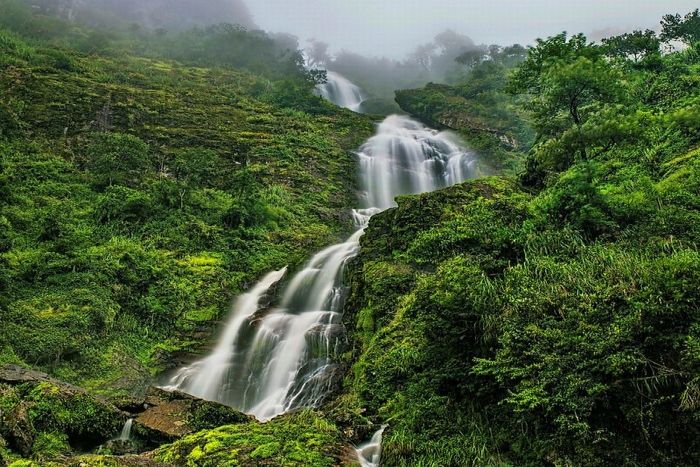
(341, 91)
(272, 360)
(126, 431)
(369, 454)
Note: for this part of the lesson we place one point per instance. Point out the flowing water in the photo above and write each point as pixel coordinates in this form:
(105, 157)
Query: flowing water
(341, 91)
(125, 435)
(269, 360)
(370, 453)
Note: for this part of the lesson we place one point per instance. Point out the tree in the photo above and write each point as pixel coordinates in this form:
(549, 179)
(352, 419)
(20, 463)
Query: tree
(685, 29)
(471, 58)
(565, 82)
(636, 45)
(318, 53)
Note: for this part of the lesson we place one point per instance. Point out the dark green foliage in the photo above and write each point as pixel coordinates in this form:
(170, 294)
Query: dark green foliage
(686, 28)
(115, 158)
(637, 45)
(555, 323)
(507, 337)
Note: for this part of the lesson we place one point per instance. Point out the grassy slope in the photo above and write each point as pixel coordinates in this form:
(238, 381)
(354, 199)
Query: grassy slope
(100, 284)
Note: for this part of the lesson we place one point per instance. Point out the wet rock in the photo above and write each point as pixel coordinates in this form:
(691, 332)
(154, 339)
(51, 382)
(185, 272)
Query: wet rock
(327, 340)
(327, 378)
(171, 415)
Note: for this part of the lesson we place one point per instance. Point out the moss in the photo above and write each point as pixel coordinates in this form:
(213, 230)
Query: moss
(299, 439)
(209, 415)
(50, 446)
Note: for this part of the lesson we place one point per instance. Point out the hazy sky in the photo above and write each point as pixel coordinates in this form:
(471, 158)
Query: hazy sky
(394, 27)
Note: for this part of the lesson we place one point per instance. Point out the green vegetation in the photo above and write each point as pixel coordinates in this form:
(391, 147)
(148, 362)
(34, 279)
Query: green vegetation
(545, 317)
(553, 319)
(299, 439)
(140, 195)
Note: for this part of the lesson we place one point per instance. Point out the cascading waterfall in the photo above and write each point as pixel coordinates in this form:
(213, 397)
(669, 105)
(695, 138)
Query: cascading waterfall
(271, 360)
(369, 454)
(405, 157)
(212, 378)
(341, 91)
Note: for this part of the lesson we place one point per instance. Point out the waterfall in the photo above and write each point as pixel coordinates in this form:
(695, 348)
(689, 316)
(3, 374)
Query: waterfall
(370, 452)
(405, 157)
(126, 431)
(341, 91)
(212, 377)
(271, 360)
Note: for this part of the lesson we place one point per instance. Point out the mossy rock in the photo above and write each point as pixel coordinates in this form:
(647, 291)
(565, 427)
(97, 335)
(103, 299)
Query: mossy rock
(171, 415)
(44, 418)
(299, 439)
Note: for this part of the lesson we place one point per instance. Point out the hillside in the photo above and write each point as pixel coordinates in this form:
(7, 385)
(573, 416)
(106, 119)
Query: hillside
(109, 266)
(550, 319)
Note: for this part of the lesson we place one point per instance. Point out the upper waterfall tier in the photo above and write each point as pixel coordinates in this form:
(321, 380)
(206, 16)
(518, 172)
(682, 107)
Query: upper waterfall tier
(341, 91)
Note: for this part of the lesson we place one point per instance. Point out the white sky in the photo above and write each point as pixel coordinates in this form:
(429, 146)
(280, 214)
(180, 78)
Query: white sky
(395, 27)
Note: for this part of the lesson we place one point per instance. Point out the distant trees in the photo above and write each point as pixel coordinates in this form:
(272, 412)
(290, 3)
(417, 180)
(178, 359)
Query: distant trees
(635, 46)
(685, 29)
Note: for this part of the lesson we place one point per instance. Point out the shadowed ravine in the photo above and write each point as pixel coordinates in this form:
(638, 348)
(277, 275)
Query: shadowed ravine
(269, 361)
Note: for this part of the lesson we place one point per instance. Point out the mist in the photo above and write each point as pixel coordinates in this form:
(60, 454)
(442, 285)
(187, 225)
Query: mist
(170, 14)
(393, 28)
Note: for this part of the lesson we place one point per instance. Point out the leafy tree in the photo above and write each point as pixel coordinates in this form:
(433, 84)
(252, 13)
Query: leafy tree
(471, 58)
(567, 83)
(636, 45)
(685, 29)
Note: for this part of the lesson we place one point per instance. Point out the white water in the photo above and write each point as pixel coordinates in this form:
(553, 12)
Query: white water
(210, 377)
(269, 361)
(405, 157)
(369, 454)
(126, 431)
(341, 91)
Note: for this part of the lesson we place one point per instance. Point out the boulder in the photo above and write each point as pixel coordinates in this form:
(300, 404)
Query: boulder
(33, 402)
(171, 415)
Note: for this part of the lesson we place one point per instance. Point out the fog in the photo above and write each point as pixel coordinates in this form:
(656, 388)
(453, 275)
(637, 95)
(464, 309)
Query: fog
(394, 28)
(151, 13)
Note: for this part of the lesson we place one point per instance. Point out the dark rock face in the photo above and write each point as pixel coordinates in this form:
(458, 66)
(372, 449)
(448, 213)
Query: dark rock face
(171, 415)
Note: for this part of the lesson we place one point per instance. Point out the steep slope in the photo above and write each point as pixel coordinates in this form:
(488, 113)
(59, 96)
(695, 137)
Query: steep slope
(139, 196)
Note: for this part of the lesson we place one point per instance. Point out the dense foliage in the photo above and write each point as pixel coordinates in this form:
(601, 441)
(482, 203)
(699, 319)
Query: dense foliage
(551, 320)
(140, 195)
(147, 176)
